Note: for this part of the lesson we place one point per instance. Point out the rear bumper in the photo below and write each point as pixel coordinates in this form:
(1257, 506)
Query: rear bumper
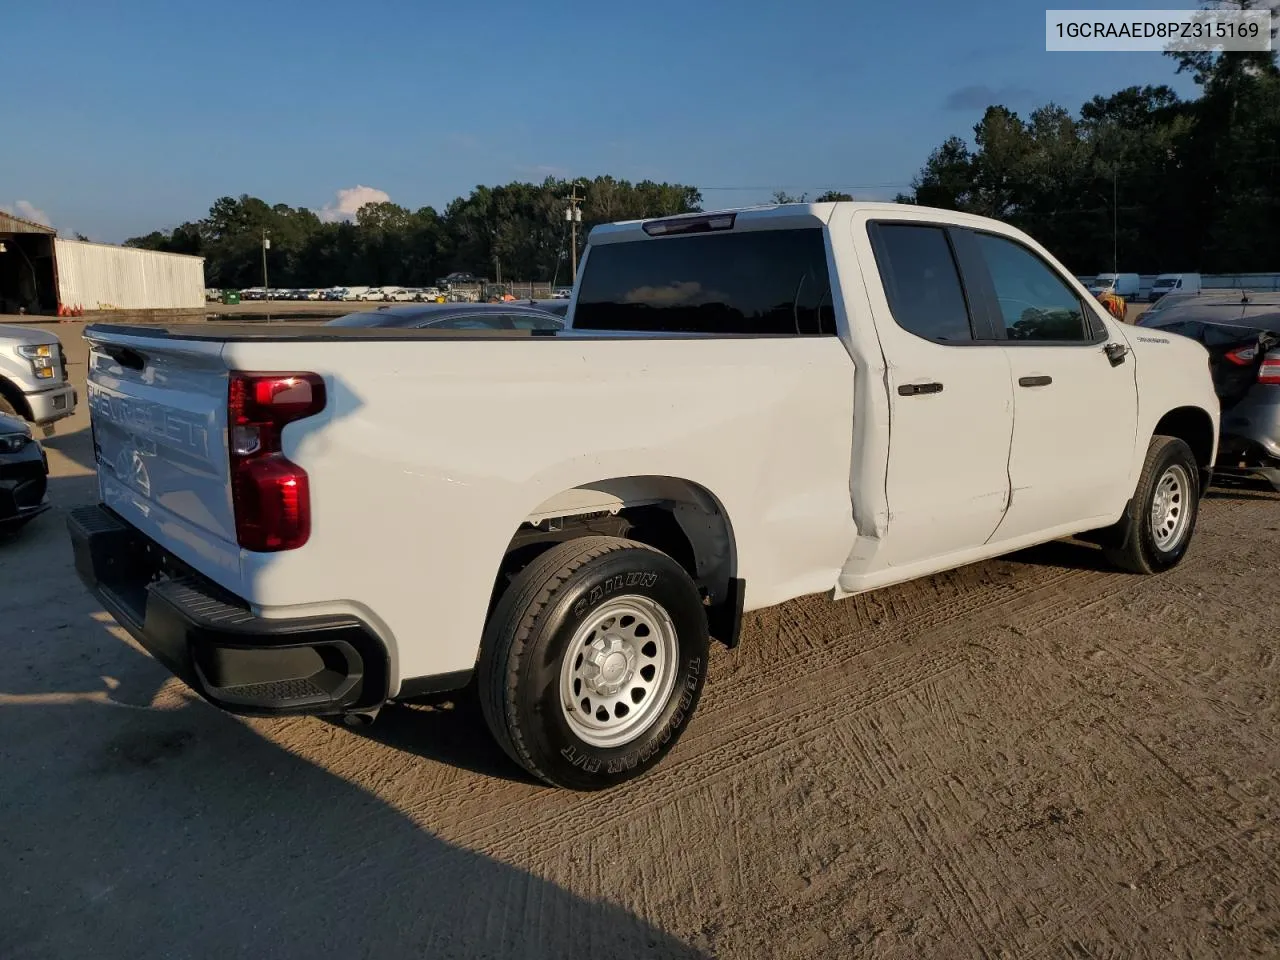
(213, 642)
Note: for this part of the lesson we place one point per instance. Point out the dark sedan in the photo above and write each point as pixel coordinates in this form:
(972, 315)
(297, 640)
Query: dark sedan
(1241, 331)
(24, 471)
(455, 316)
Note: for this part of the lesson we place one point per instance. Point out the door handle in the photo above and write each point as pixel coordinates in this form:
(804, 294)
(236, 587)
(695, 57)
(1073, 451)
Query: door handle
(1034, 381)
(1115, 353)
(916, 389)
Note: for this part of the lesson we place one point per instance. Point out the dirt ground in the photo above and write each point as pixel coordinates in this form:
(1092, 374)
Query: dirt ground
(1030, 757)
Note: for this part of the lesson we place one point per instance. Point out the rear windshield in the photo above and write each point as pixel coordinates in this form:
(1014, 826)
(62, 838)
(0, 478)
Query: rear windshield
(753, 282)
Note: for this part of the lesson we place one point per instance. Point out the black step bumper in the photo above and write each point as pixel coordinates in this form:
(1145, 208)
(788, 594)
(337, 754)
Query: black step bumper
(213, 642)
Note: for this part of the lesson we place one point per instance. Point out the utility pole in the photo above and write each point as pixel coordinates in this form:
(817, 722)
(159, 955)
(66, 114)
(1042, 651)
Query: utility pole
(573, 214)
(266, 245)
(1115, 222)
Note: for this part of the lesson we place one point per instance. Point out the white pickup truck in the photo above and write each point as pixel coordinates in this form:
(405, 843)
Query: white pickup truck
(745, 407)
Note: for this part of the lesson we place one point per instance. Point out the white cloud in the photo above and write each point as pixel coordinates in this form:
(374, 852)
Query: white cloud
(28, 211)
(349, 201)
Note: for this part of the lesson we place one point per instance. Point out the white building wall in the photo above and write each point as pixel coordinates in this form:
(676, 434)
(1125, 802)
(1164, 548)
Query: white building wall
(99, 276)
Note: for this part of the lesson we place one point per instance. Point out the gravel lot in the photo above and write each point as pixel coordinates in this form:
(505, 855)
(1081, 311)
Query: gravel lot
(1030, 757)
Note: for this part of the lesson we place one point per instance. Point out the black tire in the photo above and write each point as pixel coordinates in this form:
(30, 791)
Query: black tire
(1139, 551)
(527, 639)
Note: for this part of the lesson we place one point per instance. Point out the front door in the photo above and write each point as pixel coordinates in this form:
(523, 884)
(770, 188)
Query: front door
(1075, 404)
(950, 397)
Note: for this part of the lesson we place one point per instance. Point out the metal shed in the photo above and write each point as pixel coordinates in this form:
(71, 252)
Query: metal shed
(26, 266)
(99, 276)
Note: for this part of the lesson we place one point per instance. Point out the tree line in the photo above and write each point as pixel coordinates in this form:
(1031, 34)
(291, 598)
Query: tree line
(517, 231)
(1142, 177)
(1153, 181)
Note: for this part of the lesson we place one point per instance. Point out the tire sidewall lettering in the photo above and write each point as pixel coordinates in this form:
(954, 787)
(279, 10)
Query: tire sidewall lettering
(623, 581)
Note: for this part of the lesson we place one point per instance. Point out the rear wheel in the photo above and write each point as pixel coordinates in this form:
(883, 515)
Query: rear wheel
(593, 662)
(1161, 517)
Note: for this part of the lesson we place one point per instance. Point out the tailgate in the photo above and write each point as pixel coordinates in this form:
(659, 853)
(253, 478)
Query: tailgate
(158, 411)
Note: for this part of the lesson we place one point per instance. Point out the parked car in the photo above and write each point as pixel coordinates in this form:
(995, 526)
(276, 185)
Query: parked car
(1168, 283)
(557, 307)
(372, 293)
(455, 316)
(458, 276)
(744, 407)
(315, 294)
(428, 295)
(34, 384)
(1124, 285)
(397, 295)
(24, 472)
(254, 293)
(1148, 316)
(1241, 331)
(354, 293)
(562, 293)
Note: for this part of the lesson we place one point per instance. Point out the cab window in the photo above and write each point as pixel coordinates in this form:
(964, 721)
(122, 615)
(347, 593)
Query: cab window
(1035, 303)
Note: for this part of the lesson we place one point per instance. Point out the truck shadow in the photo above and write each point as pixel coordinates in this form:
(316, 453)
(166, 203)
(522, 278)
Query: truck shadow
(451, 732)
(142, 823)
(188, 826)
(76, 446)
(1069, 554)
(1243, 490)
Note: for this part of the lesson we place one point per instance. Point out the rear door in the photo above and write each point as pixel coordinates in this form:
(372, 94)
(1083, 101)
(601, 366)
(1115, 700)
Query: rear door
(1075, 407)
(158, 410)
(951, 400)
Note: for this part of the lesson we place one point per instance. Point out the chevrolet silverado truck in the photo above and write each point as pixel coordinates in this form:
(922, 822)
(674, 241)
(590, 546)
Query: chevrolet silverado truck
(33, 377)
(745, 407)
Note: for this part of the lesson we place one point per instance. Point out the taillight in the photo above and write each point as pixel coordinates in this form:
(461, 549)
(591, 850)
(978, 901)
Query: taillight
(269, 493)
(1269, 372)
(1243, 356)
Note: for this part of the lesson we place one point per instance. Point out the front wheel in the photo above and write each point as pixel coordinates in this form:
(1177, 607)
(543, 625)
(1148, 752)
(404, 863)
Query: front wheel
(593, 662)
(1161, 517)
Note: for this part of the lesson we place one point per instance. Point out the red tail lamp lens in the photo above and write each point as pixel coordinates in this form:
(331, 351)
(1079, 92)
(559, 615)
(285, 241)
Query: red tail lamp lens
(270, 494)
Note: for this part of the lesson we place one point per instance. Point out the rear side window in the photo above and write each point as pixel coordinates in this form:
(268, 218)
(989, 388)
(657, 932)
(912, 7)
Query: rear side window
(921, 281)
(758, 281)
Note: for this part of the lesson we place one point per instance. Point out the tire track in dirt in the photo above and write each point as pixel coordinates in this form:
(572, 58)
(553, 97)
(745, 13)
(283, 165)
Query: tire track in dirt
(710, 750)
(454, 792)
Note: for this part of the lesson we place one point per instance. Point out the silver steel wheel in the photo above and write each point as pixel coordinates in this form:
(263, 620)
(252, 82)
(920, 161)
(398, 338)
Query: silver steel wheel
(618, 671)
(1171, 508)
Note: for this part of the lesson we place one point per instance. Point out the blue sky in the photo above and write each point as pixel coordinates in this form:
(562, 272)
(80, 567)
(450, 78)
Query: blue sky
(120, 118)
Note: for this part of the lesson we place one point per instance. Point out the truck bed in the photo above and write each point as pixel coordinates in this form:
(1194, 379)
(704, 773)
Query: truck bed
(425, 463)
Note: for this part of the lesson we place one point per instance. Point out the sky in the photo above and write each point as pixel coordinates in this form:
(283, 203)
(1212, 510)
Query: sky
(125, 117)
